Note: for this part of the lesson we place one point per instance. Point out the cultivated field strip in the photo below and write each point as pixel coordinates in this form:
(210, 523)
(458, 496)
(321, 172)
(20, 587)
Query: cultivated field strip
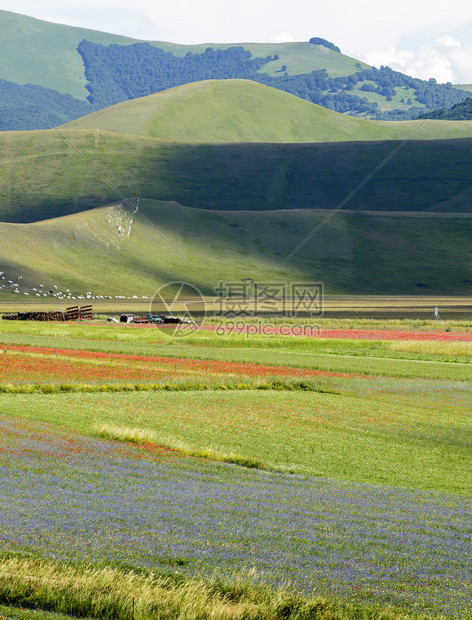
(191, 516)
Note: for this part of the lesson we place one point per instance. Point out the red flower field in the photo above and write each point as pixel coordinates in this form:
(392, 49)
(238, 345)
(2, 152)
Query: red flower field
(22, 364)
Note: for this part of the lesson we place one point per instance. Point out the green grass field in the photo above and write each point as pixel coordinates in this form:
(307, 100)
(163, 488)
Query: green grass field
(446, 361)
(430, 379)
(396, 423)
(351, 438)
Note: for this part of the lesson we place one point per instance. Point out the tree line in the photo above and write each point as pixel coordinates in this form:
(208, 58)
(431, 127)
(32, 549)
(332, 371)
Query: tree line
(117, 73)
(36, 107)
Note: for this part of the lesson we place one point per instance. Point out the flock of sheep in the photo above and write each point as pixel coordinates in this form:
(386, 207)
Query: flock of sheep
(42, 291)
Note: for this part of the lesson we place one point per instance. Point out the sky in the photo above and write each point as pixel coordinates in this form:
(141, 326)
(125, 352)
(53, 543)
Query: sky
(422, 38)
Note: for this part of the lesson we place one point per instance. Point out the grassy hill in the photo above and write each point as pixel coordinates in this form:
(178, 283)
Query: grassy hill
(33, 51)
(235, 209)
(43, 177)
(108, 252)
(244, 111)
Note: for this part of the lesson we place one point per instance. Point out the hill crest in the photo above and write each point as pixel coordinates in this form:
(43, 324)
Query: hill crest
(226, 111)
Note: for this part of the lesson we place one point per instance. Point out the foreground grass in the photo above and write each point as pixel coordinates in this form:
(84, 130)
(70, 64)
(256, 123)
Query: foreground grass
(412, 433)
(128, 595)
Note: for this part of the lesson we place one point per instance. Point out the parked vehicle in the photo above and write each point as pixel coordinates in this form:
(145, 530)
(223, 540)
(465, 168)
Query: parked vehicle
(154, 318)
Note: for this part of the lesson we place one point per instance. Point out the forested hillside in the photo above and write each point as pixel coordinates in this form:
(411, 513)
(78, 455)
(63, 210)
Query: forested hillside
(117, 73)
(459, 112)
(37, 107)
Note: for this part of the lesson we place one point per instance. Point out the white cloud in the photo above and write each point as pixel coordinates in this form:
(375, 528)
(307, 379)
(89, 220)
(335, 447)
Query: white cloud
(283, 37)
(445, 59)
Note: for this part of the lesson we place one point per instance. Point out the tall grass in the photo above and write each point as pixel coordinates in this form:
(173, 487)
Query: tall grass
(177, 386)
(462, 349)
(144, 435)
(107, 592)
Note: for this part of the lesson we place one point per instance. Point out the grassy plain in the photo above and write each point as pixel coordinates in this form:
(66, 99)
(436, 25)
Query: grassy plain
(363, 438)
(390, 424)
(351, 311)
(380, 377)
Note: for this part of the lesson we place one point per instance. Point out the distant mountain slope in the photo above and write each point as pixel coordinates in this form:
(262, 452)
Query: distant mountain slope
(117, 73)
(44, 53)
(109, 252)
(33, 51)
(244, 111)
(43, 177)
(111, 69)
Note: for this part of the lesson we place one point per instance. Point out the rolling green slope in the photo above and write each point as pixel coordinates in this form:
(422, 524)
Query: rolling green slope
(33, 51)
(109, 252)
(42, 176)
(467, 87)
(244, 111)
